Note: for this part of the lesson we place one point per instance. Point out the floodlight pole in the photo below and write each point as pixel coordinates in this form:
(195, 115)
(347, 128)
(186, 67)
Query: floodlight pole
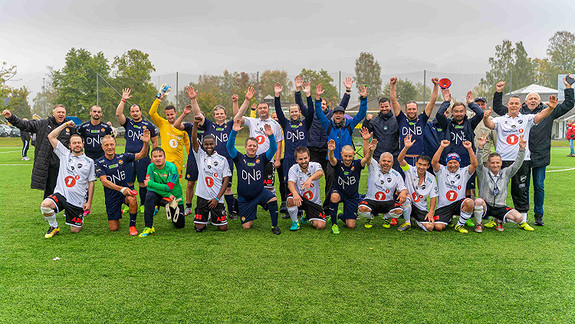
(97, 90)
(424, 84)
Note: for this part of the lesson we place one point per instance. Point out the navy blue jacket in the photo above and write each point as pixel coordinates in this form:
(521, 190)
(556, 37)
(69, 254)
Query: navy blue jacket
(317, 134)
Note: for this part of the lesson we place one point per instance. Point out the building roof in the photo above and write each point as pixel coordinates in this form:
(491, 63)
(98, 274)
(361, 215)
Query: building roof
(534, 88)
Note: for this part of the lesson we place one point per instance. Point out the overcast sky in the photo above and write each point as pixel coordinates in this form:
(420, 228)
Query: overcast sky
(210, 36)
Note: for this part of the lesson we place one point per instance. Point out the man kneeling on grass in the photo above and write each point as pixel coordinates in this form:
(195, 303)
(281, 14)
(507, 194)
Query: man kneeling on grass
(214, 176)
(305, 194)
(164, 189)
(493, 183)
(75, 182)
(111, 170)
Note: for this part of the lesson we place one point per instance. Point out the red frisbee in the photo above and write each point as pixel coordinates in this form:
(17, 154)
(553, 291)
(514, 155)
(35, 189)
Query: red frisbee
(445, 83)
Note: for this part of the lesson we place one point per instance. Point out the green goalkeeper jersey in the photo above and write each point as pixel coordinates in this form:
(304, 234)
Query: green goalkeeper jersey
(161, 180)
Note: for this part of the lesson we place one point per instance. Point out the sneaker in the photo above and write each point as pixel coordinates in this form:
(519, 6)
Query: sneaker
(490, 224)
(303, 220)
(52, 231)
(126, 209)
(452, 224)
(142, 209)
(87, 212)
(335, 229)
(369, 223)
(234, 215)
(404, 227)
(539, 220)
(147, 231)
(285, 216)
(469, 223)
(461, 229)
(499, 227)
(276, 230)
(393, 221)
(188, 211)
(25, 158)
(479, 228)
(294, 226)
(387, 222)
(133, 231)
(525, 226)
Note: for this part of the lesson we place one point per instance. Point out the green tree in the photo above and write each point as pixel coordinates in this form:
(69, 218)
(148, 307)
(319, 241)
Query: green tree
(545, 74)
(7, 72)
(75, 84)
(368, 71)
(209, 94)
(561, 52)
(18, 104)
(406, 91)
(269, 78)
(133, 70)
(321, 76)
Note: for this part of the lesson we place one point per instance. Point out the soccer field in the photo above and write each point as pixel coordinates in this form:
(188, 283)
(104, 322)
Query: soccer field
(361, 275)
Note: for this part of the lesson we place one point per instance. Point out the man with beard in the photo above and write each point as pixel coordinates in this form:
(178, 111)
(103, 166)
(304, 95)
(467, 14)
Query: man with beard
(92, 132)
(539, 141)
(75, 185)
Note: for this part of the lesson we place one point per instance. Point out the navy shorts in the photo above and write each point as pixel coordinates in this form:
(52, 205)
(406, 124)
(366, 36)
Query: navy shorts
(350, 204)
(471, 182)
(114, 205)
(191, 168)
(249, 208)
(137, 169)
(287, 164)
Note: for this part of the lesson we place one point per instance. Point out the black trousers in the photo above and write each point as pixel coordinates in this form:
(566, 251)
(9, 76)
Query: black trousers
(153, 200)
(51, 180)
(520, 186)
(283, 182)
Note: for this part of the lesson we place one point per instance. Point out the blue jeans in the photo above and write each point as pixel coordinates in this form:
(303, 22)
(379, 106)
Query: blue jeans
(571, 146)
(539, 187)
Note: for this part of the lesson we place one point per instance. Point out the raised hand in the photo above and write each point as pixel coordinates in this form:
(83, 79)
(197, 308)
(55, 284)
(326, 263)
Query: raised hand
(319, 91)
(191, 92)
(435, 81)
(268, 130)
(307, 89)
(467, 145)
(198, 119)
(445, 143)
(331, 145)
(298, 82)
(446, 94)
(278, 89)
(368, 117)
(567, 85)
(552, 101)
(482, 140)
(235, 98)
(348, 83)
(393, 80)
(499, 86)
(70, 123)
(522, 142)
(407, 141)
(469, 97)
(145, 135)
(365, 134)
(187, 109)
(487, 113)
(362, 91)
(237, 125)
(126, 94)
(250, 93)
(6, 113)
(373, 145)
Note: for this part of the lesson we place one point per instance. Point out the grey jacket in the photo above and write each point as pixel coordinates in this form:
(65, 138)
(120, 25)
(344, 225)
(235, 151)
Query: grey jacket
(487, 181)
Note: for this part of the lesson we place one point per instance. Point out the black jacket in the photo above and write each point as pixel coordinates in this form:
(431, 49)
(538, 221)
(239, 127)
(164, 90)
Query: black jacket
(44, 156)
(386, 131)
(540, 135)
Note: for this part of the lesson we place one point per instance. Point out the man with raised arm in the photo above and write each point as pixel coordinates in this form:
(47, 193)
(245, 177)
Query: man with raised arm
(539, 140)
(459, 129)
(493, 184)
(451, 180)
(134, 129)
(304, 190)
(75, 184)
(420, 184)
(256, 126)
(251, 167)
(92, 132)
(338, 128)
(111, 170)
(509, 127)
(409, 122)
(347, 176)
(214, 176)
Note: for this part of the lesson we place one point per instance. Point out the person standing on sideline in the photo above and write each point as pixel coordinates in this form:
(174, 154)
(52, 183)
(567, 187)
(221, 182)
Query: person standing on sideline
(571, 137)
(25, 137)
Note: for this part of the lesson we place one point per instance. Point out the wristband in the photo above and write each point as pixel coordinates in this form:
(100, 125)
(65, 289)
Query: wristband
(123, 100)
(122, 190)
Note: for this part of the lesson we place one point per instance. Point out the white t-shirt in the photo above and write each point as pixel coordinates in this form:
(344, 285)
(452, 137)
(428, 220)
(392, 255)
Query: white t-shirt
(297, 176)
(451, 185)
(211, 173)
(74, 175)
(508, 131)
(256, 127)
(418, 193)
(381, 187)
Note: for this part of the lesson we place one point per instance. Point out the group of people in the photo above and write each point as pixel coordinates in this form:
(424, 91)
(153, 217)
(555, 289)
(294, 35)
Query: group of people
(422, 170)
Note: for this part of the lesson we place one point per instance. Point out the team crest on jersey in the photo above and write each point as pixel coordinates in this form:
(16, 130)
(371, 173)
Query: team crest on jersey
(520, 121)
(209, 166)
(243, 219)
(388, 180)
(257, 161)
(79, 165)
(423, 186)
(120, 162)
(67, 131)
(513, 126)
(103, 130)
(457, 176)
(215, 163)
(381, 182)
(144, 127)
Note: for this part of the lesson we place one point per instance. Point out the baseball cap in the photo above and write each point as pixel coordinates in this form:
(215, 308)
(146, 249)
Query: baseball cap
(480, 99)
(339, 108)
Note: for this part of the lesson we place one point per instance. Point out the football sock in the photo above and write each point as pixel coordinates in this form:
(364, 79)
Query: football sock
(524, 217)
(273, 209)
(478, 214)
(230, 202)
(52, 220)
(292, 211)
(133, 219)
(365, 215)
(188, 205)
(386, 216)
(333, 212)
(463, 218)
(143, 192)
(407, 213)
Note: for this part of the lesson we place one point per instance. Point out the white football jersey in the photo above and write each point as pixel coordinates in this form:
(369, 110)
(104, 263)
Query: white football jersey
(418, 193)
(211, 173)
(508, 131)
(297, 176)
(74, 175)
(381, 187)
(451, 185)
(256, 127)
